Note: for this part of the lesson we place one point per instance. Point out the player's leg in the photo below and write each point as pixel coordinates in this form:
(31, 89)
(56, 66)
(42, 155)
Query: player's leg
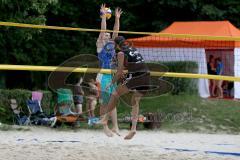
(113, 114)
(103, 102)
(115, 127)
(121, 90)
(135, 110)
(104, 110)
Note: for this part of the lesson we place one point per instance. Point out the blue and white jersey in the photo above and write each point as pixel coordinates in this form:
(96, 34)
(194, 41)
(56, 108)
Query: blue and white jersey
(107, 58)
(107, 55)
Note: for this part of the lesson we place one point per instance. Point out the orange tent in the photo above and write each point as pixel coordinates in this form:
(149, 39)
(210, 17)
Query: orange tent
(195, 41)
(197, 28)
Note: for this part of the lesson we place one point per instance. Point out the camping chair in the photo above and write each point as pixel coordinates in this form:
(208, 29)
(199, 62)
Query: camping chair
(19, 117)
(63, 108)
(34, 107)
(36, 95)
(37, 116)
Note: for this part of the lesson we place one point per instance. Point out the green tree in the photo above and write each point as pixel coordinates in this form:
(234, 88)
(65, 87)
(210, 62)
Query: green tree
(49, 47)
(18, 45)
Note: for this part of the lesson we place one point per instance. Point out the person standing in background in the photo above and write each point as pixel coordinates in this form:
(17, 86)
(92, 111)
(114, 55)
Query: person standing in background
(212, 71)
(219, 71)
(78, 96)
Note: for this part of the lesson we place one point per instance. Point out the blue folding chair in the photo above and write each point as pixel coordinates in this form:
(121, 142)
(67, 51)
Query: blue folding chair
(37, 116)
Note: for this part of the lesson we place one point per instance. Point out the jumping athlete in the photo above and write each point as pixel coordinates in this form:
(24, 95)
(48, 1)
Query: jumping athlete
(137, 80)
(106, 52)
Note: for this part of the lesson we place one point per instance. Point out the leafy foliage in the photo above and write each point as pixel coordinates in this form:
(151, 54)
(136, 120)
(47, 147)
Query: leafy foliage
(21, 96)
(49, 47)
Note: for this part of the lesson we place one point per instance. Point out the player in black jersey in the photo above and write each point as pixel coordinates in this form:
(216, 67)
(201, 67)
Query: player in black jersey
(137, 79)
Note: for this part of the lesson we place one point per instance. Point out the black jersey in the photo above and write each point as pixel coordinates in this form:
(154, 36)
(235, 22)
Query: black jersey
(132, 55)
(133, 60)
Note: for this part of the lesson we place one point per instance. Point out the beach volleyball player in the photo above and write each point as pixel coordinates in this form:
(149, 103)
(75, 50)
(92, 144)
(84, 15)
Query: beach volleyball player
(137, 80)
(106, 53)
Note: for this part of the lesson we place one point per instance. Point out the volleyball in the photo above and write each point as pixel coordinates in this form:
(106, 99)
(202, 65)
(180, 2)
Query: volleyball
(108, 13)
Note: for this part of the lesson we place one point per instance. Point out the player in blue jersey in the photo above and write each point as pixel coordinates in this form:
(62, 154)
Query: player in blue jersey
(106, 53)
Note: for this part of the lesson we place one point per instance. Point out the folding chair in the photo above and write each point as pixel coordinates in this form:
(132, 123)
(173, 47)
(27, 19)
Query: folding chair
(37, 116)
(34, 107)
(63, 108)
(36, 95)
(19, 116)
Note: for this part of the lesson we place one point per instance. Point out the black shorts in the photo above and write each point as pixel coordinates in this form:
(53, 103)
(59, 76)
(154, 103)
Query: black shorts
(78, 99)
(212, 73)
(139, 81)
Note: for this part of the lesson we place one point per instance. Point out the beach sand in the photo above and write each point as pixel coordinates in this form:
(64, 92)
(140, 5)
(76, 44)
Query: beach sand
(41, 143)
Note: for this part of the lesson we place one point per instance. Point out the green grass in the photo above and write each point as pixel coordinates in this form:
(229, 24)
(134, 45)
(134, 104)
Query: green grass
(192, 113)
(188, 113)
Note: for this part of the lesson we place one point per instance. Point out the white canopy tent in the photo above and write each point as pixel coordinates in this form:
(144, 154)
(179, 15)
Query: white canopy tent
(162, 49)
(180, 54)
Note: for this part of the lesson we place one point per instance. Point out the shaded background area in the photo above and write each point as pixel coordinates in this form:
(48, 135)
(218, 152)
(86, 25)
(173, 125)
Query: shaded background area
(44, 47)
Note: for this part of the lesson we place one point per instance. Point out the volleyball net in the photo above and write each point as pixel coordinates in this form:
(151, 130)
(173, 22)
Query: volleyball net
(182, 59)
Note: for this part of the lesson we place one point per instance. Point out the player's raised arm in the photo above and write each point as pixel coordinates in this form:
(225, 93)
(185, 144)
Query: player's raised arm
(101, 38)
(118, 12)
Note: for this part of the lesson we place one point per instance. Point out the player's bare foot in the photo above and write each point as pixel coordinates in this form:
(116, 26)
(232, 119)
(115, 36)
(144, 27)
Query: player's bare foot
(130, 135)
(116, 131)
(107, 131)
